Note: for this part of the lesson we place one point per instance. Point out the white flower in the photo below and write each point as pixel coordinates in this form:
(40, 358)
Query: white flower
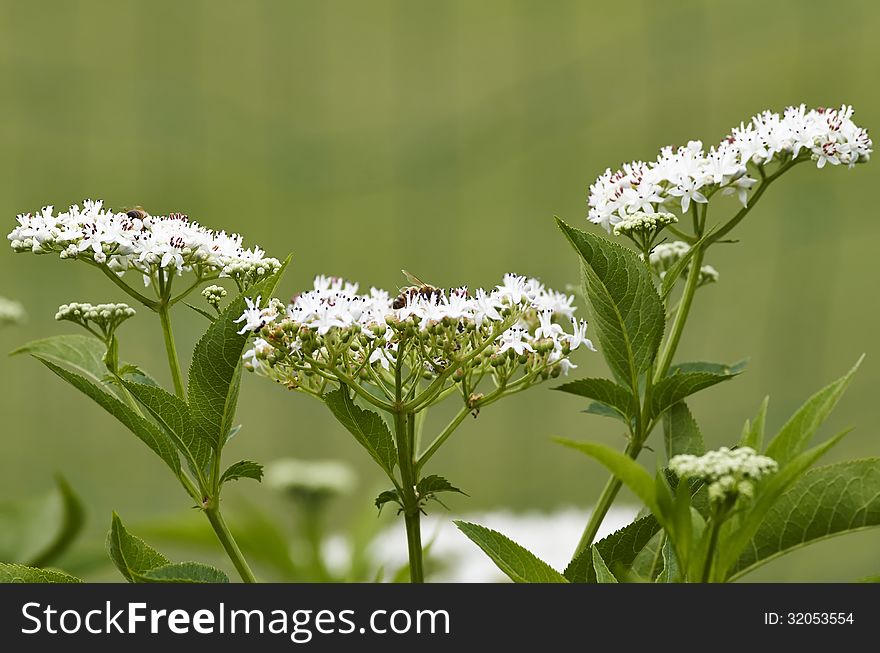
(689, 174)
(547, 328)
(514, 338)
(137, 241)
(11, 312)
(578, 336)
(254, 317)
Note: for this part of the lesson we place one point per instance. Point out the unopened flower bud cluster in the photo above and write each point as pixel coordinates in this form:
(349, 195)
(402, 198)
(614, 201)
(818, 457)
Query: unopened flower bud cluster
(137, 241)
(729, 473)
(517, 327)
(665, 255)
(214, 295)
(103, 317)
(687, 174)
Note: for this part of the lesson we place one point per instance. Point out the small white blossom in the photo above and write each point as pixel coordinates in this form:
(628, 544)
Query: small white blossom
(728, 472)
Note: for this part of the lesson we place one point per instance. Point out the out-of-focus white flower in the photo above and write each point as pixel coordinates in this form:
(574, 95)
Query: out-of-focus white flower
(680, 176)
(310, 478)
(11, 312)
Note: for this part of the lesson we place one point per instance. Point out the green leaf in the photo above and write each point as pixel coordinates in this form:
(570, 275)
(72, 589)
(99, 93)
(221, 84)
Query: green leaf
(21, 574)
(681, 435)
(797, 432)
(367, 427)
(388, 496)
(173, 413)
(671, 573)
(433, 484)
(618, 549)
(148, 432)
(81, 354)
(603, 574)
(605, 391)
(36, 531)
(824, 502)
(711, 368)
(132, 556)
(623, 467)
(604, 410)
(215, 372)
(243, 469)
(626, 311)
(202, 312)
(753, 433)
(672, 389)
(767, 494)
(73, 518)
(185, 572)
(520, 565)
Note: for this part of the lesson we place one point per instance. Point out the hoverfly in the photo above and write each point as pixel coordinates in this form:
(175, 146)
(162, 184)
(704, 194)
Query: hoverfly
(418, 288)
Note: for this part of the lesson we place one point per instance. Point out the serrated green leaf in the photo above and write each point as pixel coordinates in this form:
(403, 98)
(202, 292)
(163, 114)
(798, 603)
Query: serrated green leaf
(132, 556)
(623, 467)
(605, 391)
(83, 355)
(432, 484)
(73, 518)
(243, 469)
(149, 433)
(10, 573)
(604, 410)
(681, 434)
(753, 434)
(173, 414)
(202, 312)
(387, 496)
(520, 565)
(618, 549)
(799, 430)
(672, 389)
(133, 373)
(626, 311)
(184, 572)
(367, 427)
(603, 574)
(768, 493)
(824, 502)
(671, 572)
(215, 372)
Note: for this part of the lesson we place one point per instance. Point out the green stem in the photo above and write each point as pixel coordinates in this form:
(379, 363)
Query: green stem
(710, 554)
(171, 350)
(681, 315)
(440, 439)
(414, 546)
(609, 493)
(230, 545)
(131, 292)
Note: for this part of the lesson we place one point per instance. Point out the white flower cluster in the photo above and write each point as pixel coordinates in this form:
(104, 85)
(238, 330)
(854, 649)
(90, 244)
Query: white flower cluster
(729, 472)
(135, 240)
(11, 312)
(105, 317)
(665, 255)
(516, 322)
(688, 174)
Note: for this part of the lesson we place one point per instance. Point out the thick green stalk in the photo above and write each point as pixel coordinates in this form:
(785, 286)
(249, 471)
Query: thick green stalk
(681, 315)
(171, 351)
(229, 544)
(710, 554)
(609, 493)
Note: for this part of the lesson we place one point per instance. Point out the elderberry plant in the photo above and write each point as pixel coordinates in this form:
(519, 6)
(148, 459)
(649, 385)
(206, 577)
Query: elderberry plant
(403, 354)
(188, 428)
(710, 516)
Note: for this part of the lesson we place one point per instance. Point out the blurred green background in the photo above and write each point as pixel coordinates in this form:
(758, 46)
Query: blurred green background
(440, 137)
